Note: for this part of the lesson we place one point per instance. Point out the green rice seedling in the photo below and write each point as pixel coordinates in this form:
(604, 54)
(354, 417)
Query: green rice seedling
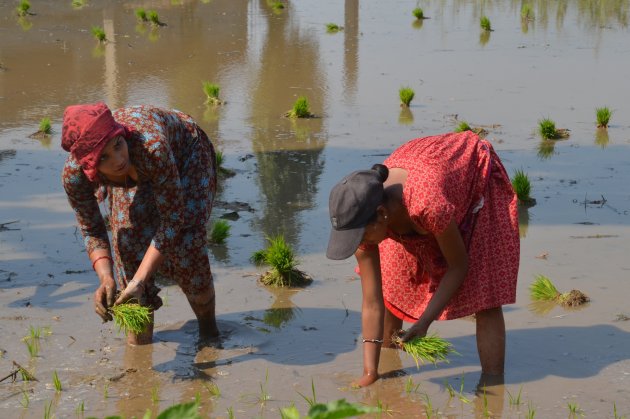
(515, 400)
(222, 170)
(220, 231)
(153, 17)
(131, 317)
(463, 126)
(383, 409)
(34, 332)
(280, 257)
(574, 410)
(522, 186)
(411, 387)
(603, 116)
(77, 4)
(48, 410)
(333, 28)
(616, 415)
(25, 399)
(542, 289)
(429, 410)
(155, 394)
(33, 347)
(80, 408)
(485, 24)
(23, 8)
(301, 109)
(460, 395)
(212, 93)
(198, 397)
(531, 411)
(106, 390)
(264, 396)
(277, 5)
(44, 126)
(141, 14)
(418, 13)
(56, 382)
(449, 388)
(230, 412)
(406, 95)
(486, 412)
(310, 400)
(431, 348)
(213, 389)
(527, 12)
(99, 34)
(547, 129)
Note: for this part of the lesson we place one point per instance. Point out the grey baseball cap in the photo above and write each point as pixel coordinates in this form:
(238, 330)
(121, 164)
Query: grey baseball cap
(352, 204)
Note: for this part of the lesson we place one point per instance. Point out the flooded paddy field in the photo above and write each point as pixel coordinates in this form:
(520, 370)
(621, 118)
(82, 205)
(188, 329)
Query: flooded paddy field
(572, 57)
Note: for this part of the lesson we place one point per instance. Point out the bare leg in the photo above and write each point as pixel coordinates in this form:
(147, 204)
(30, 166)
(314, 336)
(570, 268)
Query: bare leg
(143, 338)
(491, 341)
(391, 325)
(203, 306)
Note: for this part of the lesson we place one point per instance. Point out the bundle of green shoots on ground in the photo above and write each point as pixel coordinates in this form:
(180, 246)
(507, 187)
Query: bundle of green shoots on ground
(279, 256)
(45, 129)
(430, 348)
(544, 290)
(548, 131)
(131, 317)
(212, 93)
(406, 95)
(465, 126)
(522, 187)
(301, 109)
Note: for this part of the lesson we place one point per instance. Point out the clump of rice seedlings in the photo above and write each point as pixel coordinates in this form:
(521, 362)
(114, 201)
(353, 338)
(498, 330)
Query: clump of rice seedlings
(77, 4)
(463, 126)
(280, 257)
(429, 410)
(213, 389)
(515, 400)
(44, 126)
(131, 317)
(56, 382)
(430, 348)
(522, 187)
(23, 8)
(603, 117)
(574, 410)
(212, 93)
(485, 24)
(80, 408)
(220, 168)
(333, 28)
(406, 95)
(48, 410)
(310, 400)
(548, 131)
(542, 289)
(153, 17)
(32, 345)
(141, 15)
(411, 387)
(527, 12)
(220, 231)
(277, 5)
(99, 34)
(418, 13)
(531, 411)
(301, 109)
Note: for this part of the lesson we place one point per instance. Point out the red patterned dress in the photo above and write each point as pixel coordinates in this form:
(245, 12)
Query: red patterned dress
(460, 177)
(167, 207)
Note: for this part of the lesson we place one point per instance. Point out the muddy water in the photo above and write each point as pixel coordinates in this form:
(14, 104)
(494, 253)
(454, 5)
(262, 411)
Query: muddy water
(573, 57)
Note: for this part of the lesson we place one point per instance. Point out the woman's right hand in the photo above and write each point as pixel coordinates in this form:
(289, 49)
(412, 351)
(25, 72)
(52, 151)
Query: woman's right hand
(104, 297)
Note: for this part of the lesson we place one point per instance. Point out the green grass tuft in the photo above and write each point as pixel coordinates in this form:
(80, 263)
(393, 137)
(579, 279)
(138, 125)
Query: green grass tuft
(603, 117)
(153, 17)
(485, 23)
(332, 28)
(23, 8)
(463, 126)
(542, 289)
(131, 317)
(280, 257)
(418, 13)
(99, 33)
(220, 231)
(44, 126)
(301, 109)
(547, 129)
(141, 14)
(430, 348)
(406, 95)
(522, 186)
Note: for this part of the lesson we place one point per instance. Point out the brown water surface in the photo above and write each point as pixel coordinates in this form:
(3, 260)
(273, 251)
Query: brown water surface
(572, 57)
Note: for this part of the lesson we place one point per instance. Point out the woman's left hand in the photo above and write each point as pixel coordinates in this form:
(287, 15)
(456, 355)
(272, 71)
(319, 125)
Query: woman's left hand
(133, 290)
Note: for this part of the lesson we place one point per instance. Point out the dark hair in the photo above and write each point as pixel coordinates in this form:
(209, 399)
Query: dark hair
(383, 174)
(382, 170)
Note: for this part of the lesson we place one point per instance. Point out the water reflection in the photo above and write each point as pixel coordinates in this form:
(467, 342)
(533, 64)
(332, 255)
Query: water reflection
(601, 137)
(351, 47)
(289, 152)
(282, 311)
(484, 37)
(523, 220)
(406, 116)
(546, 149)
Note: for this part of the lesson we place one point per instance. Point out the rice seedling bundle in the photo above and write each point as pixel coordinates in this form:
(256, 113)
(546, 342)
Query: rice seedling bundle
(522, 186)
(141, 14)
(332, 28)
(603, 116)
(430, 348)
(220, 231)
(463, 126)
(44, 126)
(542, 289)
(418, 13)
(131, 317)
(280, 257)
(99, 33)
(301, 109)
(485, 24)
(212, 93)
(153, 17)
(23, 8)
(406, 95)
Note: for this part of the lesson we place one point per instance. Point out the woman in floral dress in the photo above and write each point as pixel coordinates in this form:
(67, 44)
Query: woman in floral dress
(156, 170)
(435, 234)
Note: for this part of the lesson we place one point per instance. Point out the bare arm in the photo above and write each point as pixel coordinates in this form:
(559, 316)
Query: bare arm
(372, 313)
(454, 251)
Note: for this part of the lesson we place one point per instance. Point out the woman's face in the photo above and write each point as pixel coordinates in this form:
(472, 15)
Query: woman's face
(114, 162)
(376, 231)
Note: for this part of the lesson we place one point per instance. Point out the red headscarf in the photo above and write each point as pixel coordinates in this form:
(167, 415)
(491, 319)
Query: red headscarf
(86, 131)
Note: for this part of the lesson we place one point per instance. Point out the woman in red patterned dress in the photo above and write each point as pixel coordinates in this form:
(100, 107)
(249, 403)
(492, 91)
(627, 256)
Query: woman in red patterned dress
(157, 170)
(435, 234)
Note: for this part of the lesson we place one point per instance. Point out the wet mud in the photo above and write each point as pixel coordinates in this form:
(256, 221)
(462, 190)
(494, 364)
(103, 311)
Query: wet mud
(276, 344)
